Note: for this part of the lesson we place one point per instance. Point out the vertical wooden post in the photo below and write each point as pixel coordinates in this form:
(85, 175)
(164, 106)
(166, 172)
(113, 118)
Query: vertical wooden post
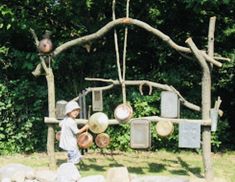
(51, 109)
(211, 33)
(206, 105)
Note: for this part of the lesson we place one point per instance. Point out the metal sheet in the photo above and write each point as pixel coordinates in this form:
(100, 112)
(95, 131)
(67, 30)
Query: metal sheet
(97, 100)
(189, 135)
(60, 109)
(214, 119)
(170, 106)
(140, 134)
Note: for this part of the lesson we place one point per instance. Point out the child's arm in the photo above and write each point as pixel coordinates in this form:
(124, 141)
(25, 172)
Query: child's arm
(84, 128)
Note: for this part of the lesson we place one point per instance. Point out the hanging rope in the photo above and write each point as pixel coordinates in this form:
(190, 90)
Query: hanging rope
(122, 74)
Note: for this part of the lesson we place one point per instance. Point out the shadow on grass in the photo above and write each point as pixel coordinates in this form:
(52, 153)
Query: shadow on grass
(154, 168)
(186, 169)
(136, 170)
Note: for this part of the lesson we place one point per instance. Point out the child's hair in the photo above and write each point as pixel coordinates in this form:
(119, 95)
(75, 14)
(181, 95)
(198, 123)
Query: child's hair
(70, 106)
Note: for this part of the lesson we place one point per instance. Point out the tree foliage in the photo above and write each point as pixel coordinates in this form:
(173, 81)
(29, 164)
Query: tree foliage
(24, 98)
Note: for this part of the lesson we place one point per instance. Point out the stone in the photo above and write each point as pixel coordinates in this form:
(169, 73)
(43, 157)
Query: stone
(45, 176)
(6, 180)
(16, 172)
(159, 179)
(117, 174)
(67, 172)
(96, 178)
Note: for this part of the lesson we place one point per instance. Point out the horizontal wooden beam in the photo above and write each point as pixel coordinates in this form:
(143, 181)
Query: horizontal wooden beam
(48, 120)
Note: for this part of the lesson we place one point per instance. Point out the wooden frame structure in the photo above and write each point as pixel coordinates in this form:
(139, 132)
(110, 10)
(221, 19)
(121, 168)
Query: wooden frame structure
(205, 59)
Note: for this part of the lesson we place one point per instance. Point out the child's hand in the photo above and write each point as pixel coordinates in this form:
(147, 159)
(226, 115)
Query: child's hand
(87, 126)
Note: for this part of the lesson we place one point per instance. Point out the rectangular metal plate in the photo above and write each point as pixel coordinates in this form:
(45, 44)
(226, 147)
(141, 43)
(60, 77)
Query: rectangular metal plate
(189, 135)
(214, 119)
(170, 105)
(60, 109)
(140, 134)
(97, 100)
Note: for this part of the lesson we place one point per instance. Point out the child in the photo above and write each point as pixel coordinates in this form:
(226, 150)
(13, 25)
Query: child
(69, 131)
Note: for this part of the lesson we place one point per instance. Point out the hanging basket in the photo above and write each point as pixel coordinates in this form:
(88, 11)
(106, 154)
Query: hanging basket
(123, 113)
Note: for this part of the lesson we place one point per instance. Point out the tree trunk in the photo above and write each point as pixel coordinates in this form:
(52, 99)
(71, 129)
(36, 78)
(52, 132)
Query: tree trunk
(51, 108)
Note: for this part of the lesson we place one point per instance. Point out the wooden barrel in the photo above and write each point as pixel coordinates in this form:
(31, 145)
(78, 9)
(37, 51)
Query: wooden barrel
(164, 128)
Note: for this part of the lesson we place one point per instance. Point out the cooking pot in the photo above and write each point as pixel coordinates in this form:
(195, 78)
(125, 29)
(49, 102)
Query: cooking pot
(45, 45)
(102, 140)
(57, 135)
(85, 140)
(164, 128)
(98, 122)
(123, 112)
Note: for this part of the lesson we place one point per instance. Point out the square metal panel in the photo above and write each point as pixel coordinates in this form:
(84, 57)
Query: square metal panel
(170, 105)
(189, 135)
(140, 134)
(60, 109)
(97, 100)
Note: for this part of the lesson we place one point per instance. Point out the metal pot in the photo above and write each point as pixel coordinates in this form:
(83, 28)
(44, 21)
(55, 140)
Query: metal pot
(85, 140)
(123, 113)
(45, 45)
(102, 140)
(57, 135)
(164, 128)
(98, 122)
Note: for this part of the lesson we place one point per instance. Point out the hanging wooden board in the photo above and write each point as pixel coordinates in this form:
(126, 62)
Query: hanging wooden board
(164, 128)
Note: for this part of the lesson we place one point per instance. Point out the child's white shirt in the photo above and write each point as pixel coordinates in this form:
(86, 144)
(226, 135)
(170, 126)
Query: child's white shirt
(69, 131)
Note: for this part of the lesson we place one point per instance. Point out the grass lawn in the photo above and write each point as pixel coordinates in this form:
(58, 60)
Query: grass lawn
(140, 163)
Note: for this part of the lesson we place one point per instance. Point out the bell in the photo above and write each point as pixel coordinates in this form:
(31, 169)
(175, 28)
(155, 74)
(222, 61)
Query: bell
(102, 140)
(85, 140)
(123, 113)
(98, 122)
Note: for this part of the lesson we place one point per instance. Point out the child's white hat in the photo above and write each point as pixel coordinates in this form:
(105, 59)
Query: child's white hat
(72, 105)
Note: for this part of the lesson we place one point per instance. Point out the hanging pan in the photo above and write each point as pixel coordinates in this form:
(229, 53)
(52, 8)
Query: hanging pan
(123, 112)
(102, 140)
(85, 140)
(98, 122)
(57, 135)
(164, 128)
